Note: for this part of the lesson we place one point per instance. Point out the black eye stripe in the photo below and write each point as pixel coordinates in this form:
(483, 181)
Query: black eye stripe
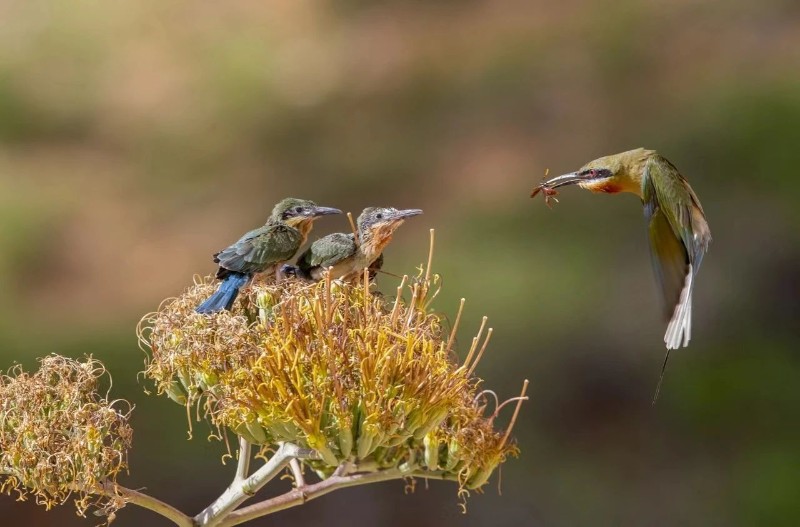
(595, 172)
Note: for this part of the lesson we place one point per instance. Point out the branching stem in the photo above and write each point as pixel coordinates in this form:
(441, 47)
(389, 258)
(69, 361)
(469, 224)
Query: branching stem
(299, 496)
(240, 490)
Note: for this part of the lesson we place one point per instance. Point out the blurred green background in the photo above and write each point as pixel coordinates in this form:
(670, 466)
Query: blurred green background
(136, 138)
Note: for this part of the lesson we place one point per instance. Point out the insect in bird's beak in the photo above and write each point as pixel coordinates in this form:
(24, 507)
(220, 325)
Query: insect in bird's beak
(547, 192)
(546, 189)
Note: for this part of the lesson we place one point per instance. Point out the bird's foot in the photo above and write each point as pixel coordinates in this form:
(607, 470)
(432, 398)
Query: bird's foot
(286, 271)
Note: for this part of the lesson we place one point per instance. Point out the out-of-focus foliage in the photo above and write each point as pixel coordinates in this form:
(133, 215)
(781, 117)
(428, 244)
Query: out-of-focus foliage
(137, 138)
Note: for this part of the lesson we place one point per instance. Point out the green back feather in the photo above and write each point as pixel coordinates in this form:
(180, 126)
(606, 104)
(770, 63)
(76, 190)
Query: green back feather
(261, 248)
(328, 251)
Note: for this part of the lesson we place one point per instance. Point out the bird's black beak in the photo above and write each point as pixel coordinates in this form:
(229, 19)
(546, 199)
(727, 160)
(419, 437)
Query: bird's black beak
(407, 213)
(583, 175)
(566, 179)
(324, 211)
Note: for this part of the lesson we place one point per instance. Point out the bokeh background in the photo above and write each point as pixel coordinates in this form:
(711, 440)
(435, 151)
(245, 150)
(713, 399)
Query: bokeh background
(136, 138)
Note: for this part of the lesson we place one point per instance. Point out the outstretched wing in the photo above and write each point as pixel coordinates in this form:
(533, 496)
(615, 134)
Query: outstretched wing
(327, 252)
(260, 249)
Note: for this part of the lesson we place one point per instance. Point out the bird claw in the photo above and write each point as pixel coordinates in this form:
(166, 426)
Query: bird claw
(287, 270)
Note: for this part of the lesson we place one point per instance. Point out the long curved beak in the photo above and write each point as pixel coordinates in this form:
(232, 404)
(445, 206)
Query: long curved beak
(407, 213)
(566, 179)
(325, 211)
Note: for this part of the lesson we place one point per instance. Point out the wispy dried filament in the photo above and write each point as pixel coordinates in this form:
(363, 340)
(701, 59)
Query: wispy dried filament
(331, 366)
(59, 437)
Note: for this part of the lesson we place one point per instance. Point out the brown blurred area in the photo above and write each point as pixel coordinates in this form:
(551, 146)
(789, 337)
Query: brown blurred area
(137, 138)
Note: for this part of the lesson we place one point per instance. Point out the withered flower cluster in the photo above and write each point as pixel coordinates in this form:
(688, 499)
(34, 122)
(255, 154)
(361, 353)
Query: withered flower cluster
(59, 437)
(335, 367)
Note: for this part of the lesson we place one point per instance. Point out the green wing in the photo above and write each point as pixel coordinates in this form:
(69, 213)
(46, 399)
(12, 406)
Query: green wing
(327, 252)
(260, 249)
(669, 258)
(669, 228)
(679, 204)
(679, 237)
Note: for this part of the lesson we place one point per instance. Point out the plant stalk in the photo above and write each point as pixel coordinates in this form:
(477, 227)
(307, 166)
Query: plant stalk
(242, 489)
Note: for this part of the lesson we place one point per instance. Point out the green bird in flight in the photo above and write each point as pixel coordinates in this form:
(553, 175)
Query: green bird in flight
(677, 226)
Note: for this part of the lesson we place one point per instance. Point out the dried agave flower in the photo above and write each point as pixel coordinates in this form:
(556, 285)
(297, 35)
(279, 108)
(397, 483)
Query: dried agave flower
(59, 437)
(334, 367)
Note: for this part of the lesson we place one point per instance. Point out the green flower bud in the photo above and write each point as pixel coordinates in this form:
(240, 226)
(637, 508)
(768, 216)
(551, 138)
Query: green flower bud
(345, 441)
(176, 392)
(431, 452)
(453, 450)
(364, 444)
(257, 432)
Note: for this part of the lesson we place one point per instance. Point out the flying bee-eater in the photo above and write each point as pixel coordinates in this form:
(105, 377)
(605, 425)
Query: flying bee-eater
(263, 249)
(677, 226)
(346, 256)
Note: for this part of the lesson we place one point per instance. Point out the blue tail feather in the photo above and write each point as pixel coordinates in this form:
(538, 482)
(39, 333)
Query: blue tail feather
(225, 295)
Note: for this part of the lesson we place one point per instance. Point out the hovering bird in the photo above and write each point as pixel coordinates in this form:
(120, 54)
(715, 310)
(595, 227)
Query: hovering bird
(679, 233)
(262, 250)
(347, 256)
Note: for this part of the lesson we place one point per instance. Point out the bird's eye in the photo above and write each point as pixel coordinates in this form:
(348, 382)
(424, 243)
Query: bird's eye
(593, 173)
(379, 216)
(298, 210)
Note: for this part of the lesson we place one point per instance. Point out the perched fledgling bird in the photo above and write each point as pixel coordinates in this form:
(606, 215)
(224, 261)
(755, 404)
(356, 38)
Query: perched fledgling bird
(679, 233)
(262, 250)
(344, 255)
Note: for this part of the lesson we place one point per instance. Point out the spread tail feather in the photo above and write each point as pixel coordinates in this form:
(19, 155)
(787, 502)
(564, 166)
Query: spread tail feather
(225, 295)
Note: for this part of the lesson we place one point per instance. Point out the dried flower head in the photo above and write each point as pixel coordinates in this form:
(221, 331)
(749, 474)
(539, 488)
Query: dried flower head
(335, 367)
(59, 437)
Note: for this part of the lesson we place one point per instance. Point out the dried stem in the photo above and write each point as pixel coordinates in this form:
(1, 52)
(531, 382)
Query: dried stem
(353, 227)
(474, 345)
(480, 353)
(148, 502)
(430, 259)
(328, 302)
(520, 399)
(398, 298)
(411, 313)
(455, 325)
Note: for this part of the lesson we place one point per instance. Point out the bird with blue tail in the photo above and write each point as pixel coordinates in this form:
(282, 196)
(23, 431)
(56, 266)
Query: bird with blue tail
(677, 227)
(345, 255)
(263, 249)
